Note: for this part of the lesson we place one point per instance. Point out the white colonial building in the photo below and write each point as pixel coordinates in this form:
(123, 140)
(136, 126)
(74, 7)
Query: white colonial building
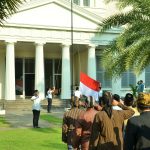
(48, 42)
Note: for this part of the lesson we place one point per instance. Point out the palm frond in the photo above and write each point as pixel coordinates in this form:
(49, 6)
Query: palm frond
(132, 34)
(140, 4)
(131, 49)
(8, 7)
(120, 19)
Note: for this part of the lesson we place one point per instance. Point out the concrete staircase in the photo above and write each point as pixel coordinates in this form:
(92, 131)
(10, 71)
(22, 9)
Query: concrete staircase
(26, 104)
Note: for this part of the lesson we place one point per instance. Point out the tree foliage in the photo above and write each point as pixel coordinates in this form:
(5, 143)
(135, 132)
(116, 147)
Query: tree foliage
(131, 49)
(7, 8)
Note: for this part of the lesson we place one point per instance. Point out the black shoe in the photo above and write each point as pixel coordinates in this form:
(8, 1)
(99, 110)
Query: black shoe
(37, 127)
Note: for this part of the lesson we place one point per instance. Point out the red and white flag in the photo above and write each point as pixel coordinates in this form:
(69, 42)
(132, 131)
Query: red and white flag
(89, 86)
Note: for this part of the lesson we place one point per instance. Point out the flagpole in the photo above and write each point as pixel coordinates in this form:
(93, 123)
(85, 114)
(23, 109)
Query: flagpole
(72, 43)
(71, 49)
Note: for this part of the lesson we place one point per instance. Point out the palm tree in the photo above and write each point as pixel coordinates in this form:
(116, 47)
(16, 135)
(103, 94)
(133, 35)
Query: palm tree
(131, 49)
(7, 8)
(134, 90)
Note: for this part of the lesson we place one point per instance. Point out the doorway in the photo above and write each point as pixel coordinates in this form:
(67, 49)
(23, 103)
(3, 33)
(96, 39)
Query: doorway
(29, 84)
(57, 78)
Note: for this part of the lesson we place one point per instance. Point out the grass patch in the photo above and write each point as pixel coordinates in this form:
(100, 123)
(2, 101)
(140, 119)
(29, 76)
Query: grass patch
(32, 139)
(3, 122)
(51, 119)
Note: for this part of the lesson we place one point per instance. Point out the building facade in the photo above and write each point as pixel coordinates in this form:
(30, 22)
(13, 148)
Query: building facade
(48, 43)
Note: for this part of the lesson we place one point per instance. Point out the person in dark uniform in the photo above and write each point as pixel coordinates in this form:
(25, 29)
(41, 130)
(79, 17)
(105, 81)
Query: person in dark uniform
(137, 135)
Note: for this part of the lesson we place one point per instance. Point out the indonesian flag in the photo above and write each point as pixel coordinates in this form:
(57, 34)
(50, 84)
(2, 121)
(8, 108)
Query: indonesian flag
(89, 86)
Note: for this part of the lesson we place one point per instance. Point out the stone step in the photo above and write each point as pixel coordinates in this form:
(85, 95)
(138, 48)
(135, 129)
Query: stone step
(27, 104)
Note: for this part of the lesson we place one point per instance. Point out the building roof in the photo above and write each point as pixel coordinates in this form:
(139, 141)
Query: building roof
(53, 14)
(66, 4)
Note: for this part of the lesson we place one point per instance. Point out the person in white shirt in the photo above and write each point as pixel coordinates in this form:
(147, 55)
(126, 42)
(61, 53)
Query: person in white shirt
(36, 108)
(77, 93)
(49, 98)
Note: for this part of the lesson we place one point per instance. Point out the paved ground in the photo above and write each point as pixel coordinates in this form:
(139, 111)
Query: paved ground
(23, 118)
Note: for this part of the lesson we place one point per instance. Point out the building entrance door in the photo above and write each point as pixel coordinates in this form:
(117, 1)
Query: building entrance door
(57, 83)
(29, 84)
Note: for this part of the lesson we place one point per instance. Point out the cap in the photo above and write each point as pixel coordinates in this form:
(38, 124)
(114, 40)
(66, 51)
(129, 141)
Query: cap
(143, 100)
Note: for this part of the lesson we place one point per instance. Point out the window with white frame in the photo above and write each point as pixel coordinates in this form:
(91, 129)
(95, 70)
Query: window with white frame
(86, 2)
(81, 2)
(76, 2)
(128, 78)
(147, 77)
(101, 74)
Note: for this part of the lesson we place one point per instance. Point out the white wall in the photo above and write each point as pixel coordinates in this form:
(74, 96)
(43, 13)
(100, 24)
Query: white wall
(51, 15)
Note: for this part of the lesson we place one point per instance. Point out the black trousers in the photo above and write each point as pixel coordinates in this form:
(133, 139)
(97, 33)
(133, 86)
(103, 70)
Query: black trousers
(49, 105)
(36, 114)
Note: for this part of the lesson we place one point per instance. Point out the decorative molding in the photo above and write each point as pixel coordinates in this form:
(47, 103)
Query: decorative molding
(92, 46)
(66, 44)
(10, 40)
(47, 27)
(41, 43)
(54, 36)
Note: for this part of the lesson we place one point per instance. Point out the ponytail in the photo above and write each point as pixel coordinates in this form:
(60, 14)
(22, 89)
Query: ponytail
(107, 103)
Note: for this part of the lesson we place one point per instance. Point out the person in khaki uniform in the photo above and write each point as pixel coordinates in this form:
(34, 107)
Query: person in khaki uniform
(84, 123)
(107, 126)
(69, 125)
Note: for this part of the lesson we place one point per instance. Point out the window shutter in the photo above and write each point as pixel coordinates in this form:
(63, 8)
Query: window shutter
(147, 77)
(86, 2)
(101, 74)
(76, 2)
(128, 78)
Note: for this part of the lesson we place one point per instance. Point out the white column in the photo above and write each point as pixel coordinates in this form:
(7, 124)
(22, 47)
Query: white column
(66, 75)
(39, 70)
(91, 61)
(81, 3)
(2, 74)
(10, 72)
(92, 3)
(116, 86)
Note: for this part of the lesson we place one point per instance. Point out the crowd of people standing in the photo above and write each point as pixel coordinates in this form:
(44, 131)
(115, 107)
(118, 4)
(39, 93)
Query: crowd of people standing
(111, 123)
(114, 125)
